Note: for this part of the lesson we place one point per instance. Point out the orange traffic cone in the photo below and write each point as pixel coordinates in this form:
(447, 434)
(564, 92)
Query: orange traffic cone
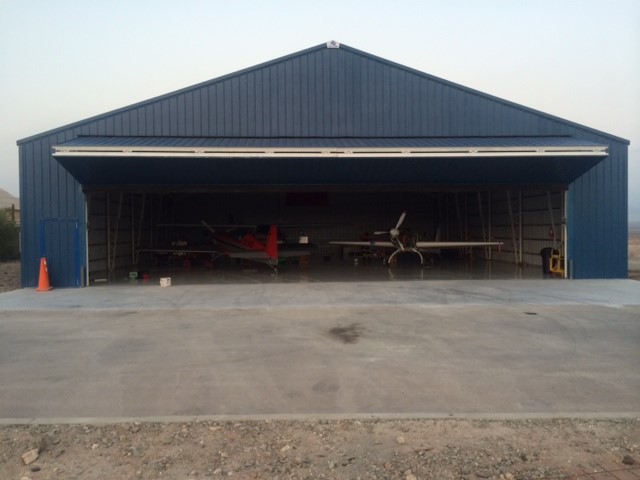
(43, 280)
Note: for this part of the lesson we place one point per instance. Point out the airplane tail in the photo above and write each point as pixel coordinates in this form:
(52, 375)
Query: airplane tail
(271, 247)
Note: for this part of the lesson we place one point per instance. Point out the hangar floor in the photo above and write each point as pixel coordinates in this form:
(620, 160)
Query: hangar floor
(237, 273)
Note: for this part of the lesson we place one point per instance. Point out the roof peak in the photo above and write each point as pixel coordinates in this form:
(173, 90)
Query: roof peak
(337, 55)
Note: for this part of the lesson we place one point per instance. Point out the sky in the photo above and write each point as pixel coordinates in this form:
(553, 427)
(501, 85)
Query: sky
(63, 61)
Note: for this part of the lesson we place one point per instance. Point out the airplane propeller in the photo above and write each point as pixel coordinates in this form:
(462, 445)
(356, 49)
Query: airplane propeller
(394, 232)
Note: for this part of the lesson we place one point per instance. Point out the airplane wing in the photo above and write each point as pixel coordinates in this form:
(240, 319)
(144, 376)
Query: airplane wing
(293, 253)
(456, 244)
(216, 253)
(371, 243)
(248, 254)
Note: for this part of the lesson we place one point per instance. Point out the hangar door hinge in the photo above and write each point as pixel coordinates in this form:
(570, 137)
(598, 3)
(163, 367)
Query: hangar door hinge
(333, 44)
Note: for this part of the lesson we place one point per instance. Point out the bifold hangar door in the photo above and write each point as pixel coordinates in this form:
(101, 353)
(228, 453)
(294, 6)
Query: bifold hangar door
(141, 189)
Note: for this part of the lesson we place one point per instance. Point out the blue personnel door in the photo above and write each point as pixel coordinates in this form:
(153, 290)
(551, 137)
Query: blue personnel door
(60, 244)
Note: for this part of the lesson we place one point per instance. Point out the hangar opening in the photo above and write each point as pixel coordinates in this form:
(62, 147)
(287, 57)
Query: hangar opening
(156, 206)
(170, 231)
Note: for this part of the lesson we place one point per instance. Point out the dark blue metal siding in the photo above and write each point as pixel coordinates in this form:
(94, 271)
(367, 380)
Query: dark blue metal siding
(53, 205)
(325, 142)
(327, 93)
(325, 172)
(598, 223)
(324, 92)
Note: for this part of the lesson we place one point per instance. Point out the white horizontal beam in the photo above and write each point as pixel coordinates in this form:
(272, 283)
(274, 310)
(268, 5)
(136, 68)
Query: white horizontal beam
(523, 151)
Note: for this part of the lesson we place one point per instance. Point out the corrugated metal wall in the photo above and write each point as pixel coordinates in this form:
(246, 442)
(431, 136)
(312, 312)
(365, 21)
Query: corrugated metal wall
(111, 231)
(52, 207)
(598, 219)
(330, 93)
(324, 93)
(526, 221)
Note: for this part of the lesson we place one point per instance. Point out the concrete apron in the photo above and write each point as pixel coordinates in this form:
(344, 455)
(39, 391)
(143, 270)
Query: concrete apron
(488, 349)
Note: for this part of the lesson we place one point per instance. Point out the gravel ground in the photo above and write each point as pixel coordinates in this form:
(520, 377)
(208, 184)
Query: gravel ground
(634, 255)
(9, 276)
(336, 449)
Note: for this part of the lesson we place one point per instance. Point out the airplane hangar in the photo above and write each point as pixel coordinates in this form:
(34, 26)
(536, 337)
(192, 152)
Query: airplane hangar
(330, 143)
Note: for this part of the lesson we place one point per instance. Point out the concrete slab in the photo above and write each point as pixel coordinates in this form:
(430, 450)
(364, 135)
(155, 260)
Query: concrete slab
(413, 348)
(269, 292)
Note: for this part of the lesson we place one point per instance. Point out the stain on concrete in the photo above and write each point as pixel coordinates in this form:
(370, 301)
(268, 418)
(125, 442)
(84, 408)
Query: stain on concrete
(349, 334)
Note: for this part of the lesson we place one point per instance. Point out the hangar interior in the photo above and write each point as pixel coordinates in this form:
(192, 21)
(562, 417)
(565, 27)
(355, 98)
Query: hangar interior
(141, 231)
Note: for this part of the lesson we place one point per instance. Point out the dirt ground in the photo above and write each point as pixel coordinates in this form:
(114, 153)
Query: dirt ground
(634, 254)
(9, 276)
(340, 449)
(593, 449)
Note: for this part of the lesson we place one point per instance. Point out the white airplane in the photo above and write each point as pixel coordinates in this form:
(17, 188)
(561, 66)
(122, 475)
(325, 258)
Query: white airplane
(409, 243)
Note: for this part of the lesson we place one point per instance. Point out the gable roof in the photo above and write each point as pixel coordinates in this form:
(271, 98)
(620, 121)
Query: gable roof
(335, 92)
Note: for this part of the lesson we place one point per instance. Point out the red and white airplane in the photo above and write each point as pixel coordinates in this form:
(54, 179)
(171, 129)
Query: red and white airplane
(244, 244)
(238, 241)
(409, 243)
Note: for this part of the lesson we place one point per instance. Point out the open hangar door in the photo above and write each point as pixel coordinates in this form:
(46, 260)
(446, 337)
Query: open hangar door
(130, 231)
(506, 189)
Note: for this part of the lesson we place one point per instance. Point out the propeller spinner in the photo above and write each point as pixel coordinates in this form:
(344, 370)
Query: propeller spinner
(394, 232)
